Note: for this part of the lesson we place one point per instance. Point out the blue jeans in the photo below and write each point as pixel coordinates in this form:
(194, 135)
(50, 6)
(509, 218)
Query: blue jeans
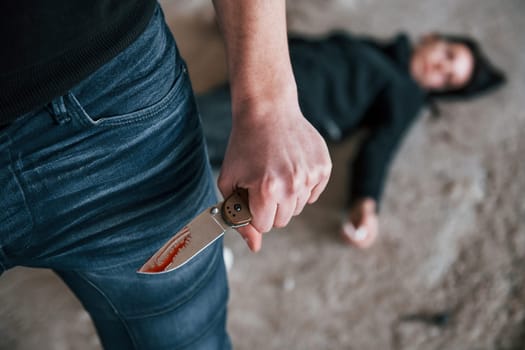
(97, 180)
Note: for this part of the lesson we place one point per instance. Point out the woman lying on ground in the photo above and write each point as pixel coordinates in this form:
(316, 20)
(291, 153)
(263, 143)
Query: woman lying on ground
(346, 83)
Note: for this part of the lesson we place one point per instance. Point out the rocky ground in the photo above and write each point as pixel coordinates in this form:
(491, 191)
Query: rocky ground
(448, 271)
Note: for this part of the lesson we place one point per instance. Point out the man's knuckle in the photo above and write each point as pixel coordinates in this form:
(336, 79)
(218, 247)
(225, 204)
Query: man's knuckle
(295, 184)
(262, 225)
(268, 187)
(266, 228)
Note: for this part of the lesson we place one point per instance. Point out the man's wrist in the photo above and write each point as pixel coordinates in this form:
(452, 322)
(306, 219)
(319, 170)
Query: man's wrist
(261, 101)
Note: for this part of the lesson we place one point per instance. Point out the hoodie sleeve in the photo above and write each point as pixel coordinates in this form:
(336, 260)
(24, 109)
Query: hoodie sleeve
(389, 118)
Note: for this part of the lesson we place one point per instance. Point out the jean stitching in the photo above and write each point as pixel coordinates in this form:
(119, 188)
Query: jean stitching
(150, 112)
(18, 168)
(122, 318)
(16, 171)
(115, 310)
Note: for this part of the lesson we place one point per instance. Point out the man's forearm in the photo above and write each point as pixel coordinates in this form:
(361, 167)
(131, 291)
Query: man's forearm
(273, 151)
(257, 52)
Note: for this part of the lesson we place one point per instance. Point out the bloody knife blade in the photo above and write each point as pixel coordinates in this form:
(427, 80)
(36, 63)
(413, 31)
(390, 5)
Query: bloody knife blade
(202, 231)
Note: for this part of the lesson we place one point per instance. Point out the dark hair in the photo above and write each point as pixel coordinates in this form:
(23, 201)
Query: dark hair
(485, 76)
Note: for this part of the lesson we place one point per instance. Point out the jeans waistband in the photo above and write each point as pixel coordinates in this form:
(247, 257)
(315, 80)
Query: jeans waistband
(143, 58)
(56, 109)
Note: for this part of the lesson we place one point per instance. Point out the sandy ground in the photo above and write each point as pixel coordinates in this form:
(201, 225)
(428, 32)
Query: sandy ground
(447, 272)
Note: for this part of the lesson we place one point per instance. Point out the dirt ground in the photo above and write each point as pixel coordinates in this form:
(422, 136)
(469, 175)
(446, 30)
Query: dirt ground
(448, 271)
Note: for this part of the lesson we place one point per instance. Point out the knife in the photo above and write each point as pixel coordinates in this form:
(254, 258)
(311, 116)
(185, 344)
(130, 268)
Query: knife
(202, 231)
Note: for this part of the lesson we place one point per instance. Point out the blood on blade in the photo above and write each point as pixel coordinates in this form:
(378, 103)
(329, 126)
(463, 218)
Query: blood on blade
(173, 247)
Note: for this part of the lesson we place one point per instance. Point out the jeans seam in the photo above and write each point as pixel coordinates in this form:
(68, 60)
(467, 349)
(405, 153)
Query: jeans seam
(115, 310)
(208, 329)
(16, 170)
(122, 318)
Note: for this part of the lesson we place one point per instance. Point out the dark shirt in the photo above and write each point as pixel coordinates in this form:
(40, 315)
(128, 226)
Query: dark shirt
(344, 83)
(49, 46)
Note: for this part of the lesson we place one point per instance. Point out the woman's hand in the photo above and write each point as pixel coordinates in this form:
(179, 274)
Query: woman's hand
(362, 225)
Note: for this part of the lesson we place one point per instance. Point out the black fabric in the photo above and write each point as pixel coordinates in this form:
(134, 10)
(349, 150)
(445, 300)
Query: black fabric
(344, 83)
(49, 46)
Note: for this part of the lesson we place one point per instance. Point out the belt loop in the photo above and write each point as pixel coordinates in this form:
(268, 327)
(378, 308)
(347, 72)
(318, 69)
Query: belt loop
(59, 111)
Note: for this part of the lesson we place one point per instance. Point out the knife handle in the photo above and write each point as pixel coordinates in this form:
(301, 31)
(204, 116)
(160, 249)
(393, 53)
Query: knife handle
(235, 210)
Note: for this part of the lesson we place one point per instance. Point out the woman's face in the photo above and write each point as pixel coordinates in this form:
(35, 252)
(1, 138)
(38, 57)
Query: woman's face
(438, 65)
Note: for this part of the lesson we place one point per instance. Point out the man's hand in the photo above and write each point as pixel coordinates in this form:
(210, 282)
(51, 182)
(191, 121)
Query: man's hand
(273, 151)
(362, 226)
(281, 160)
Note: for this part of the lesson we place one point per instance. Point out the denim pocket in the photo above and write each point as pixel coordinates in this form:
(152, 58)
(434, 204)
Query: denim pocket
(175, 92)
(135, 85)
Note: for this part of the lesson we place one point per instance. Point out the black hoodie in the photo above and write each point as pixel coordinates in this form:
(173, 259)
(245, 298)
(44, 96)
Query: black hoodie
(344, 83)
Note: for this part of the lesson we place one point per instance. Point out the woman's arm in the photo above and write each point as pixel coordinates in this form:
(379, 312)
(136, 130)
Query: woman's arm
(272, 151)
(392, 114)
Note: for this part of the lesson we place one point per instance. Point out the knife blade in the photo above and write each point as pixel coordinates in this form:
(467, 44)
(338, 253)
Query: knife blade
(202, 231)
